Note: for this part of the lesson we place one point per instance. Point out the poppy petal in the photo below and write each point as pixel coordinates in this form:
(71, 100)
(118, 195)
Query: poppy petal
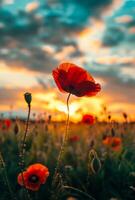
(60, 77)
(75, 80)
(38, 171)
(77, 75)
(87, 88)
(66, 66)
(21, 177)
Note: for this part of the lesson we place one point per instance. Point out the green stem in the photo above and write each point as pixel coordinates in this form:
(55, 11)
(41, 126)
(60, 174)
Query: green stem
(64, 144)
(22, 152)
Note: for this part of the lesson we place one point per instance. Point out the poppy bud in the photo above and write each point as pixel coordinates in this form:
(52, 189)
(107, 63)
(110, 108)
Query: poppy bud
(49, 118)
(109, 117)
(113, 132)
(125, 115)
(92, 144)
(16, 129)
(28, 97)
(94, 164)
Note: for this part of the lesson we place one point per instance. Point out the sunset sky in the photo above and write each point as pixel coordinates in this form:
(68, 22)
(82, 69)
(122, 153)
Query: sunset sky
(35, 36)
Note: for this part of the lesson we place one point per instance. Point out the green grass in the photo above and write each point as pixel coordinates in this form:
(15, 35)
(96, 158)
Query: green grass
(114, 180)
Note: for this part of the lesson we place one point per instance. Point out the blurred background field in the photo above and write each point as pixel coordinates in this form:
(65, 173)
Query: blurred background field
(114, 175)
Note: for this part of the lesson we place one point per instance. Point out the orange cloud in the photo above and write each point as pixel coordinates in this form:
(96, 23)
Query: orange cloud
(124, 19)
(32, 6)
(132, 30)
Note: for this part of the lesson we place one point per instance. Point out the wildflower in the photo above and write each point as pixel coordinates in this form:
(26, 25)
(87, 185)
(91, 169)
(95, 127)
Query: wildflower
(7, 123)
(74, 138)
(75, 80)
(88, 119)
(114, 142)
(34, 176)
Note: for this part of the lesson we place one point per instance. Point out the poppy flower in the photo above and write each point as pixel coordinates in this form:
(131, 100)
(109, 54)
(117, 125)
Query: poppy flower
(114, 142)
(88, 119)
(74, 138)
(75, 80)
(33, 177)
(7, 123)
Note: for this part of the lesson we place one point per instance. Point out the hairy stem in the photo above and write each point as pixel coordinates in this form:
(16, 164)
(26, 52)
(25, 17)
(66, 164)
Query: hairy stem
(63, 146)
(22, 152)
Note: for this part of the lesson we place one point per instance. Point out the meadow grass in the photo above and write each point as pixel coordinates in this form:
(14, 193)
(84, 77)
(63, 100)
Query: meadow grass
(114, 171)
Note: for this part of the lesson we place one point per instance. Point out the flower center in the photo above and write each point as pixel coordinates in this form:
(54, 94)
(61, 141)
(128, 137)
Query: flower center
(87, 120)
(114, 144)
(33, 179)
(71, 87)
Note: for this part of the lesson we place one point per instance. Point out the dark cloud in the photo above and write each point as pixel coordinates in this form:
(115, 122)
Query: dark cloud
(117, 85)
(53, 22)
(113, 36)
(34, 59)
(118, 31)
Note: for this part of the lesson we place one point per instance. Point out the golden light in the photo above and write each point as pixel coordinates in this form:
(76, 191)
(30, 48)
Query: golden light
(32, 6)
(73, 108)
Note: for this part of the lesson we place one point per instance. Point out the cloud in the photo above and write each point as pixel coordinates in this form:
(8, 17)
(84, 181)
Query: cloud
(118, 26)
(113, 36)
(117, 84)
(25, 31)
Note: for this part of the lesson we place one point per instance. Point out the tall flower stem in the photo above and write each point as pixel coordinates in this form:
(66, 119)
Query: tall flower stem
(22, 152)
(64, 144)
(5, 177)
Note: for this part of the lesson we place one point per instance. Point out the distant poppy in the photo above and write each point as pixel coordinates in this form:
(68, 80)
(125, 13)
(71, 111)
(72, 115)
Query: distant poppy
(88, 119)
(34, 176)
(113, 142)
(74, 138)
(75, 80)
(7, 123)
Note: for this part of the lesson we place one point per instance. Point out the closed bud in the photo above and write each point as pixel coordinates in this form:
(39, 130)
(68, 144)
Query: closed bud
(125, 115)
(28, 97)
(16, 129)
(109, 117)
(49, 118)
(94, 163)
(92, 144)
(113, 132)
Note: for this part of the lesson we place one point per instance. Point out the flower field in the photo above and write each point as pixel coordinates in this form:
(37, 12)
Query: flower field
(91, 167)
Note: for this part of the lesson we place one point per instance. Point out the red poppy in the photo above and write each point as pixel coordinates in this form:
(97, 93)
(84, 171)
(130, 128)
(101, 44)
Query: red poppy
(75, 80)
(34, 176)
(88, 119)
(7, 123)
(114, 142)
(74, 138)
